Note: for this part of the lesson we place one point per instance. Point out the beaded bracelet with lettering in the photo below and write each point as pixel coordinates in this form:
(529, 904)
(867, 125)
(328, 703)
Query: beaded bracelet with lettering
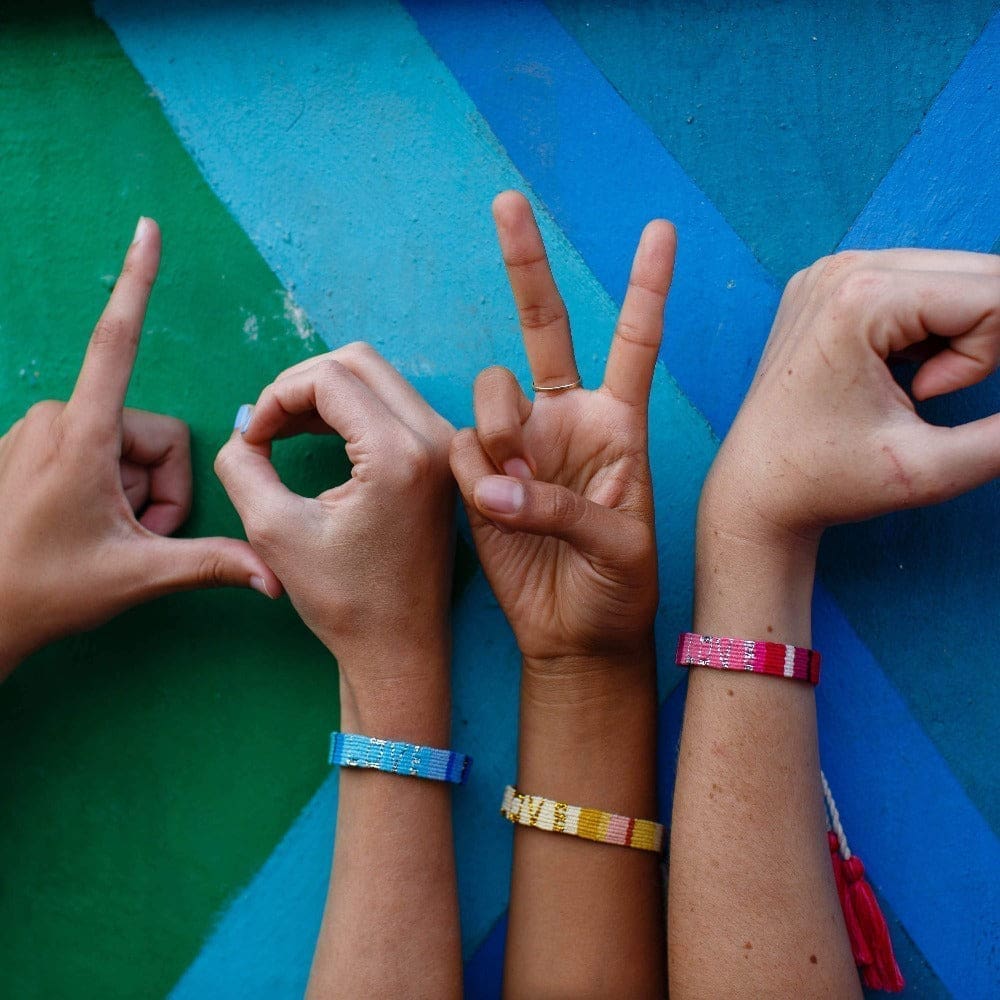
(351, 750)
(774, 658)
(577, 821)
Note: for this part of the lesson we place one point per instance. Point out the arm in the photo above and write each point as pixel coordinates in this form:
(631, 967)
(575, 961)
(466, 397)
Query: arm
(560, 502)
(368, 566)
(89, 491)
(824, 436)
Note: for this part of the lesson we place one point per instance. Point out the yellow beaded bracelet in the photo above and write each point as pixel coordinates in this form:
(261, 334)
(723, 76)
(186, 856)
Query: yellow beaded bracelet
(581, 821)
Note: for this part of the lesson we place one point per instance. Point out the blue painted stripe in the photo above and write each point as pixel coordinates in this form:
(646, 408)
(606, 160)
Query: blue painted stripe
(586, 154)
(945, 196)
(603, 173)
(337, 199)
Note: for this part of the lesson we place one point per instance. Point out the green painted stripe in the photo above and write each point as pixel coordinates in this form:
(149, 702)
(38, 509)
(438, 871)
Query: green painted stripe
(148, 769)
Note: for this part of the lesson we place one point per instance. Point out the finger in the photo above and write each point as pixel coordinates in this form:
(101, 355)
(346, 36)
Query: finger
(964, 308)
(251, 482)
(952, 460)
(501, 409)
(175, 564)
(915, 259)
(548, 509)
(636, 343)
(107, 366)
(135, 483)
(469, 463)
(162, 446)
(543, 317)
(394, 389)
(328, 391)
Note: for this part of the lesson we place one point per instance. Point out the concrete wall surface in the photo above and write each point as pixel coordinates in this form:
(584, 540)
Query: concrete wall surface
(323, 173)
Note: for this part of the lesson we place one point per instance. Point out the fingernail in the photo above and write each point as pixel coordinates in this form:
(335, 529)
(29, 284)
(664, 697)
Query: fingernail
(518, 468)
(140, 228)
(504, 496)
(258, 584)
(243, 415)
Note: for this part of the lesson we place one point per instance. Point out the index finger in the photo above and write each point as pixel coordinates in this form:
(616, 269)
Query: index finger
(636, 343)
(107, 366)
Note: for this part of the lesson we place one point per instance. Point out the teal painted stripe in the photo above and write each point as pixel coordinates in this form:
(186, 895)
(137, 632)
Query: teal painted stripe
(343, 207)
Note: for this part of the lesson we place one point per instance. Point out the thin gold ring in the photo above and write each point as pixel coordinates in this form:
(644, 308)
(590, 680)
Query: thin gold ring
(575, 384)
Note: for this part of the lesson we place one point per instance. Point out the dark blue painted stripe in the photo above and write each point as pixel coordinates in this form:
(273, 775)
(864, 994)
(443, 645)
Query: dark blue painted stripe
(595, 164)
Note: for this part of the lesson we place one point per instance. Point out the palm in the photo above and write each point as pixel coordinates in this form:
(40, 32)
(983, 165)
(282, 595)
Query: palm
(554, 594)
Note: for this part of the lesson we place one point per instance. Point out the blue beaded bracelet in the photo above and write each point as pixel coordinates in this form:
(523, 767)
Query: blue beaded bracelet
(351, 750)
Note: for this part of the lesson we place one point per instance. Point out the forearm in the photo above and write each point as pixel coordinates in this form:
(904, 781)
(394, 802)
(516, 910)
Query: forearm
(753, 909)
(586, 919)
(390, 927)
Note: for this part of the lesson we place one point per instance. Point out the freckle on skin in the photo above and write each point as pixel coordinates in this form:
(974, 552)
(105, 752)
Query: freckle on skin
(729, 691)
(812, 958)
(747, 945)
(770, 628)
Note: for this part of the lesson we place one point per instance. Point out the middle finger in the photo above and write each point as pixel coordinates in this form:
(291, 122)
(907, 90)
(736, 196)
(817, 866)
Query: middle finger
(544, 321)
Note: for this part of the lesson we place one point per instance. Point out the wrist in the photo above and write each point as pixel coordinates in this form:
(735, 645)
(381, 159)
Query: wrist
(401, 694)
(588, 736)
(753, 580)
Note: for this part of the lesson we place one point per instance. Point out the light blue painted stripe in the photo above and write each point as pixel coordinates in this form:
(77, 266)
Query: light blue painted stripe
(367, 106)
(945, 196)
(587, 154)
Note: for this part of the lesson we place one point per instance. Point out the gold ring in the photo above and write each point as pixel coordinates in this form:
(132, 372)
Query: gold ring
(575, 384)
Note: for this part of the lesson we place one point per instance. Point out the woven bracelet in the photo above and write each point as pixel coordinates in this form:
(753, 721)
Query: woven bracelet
(580, 821)
(773, 658)
(394, 757)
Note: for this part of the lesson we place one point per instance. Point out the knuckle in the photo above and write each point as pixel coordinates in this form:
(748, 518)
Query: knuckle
(542, 315)
(560, 505)
(211, 570)
(858, 287)
(109, 332)
(358, 352)
(495, 438)
(44, 411)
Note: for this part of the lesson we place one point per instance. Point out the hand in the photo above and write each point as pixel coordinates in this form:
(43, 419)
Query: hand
(825, 434)
(367, 564)
(89, 490)
(558, 490)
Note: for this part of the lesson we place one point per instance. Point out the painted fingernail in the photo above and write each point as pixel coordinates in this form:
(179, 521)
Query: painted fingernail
(518, 468)
(140, 228)
(243, 415)
(503, 496)
(258, 584)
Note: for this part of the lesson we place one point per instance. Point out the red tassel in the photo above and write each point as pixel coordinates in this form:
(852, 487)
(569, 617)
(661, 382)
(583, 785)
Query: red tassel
(859, 947)
(883, 973)
(871, 945)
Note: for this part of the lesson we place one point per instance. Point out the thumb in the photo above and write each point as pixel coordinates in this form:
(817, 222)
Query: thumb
(953, 460)
(199, 563)
(541, 508)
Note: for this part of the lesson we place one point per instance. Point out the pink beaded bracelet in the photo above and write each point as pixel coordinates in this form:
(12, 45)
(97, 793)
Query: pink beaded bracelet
(774, 658)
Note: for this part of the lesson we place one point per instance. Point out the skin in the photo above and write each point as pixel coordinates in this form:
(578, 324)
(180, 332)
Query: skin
(90, 491)
(560, 503)
(367, 564)
(824, 436)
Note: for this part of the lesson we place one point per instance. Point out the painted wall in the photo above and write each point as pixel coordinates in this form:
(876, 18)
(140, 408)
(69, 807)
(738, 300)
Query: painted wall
(323, 173)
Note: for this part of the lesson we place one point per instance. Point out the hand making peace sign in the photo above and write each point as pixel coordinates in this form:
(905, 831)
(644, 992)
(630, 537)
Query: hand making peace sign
(558, 489)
